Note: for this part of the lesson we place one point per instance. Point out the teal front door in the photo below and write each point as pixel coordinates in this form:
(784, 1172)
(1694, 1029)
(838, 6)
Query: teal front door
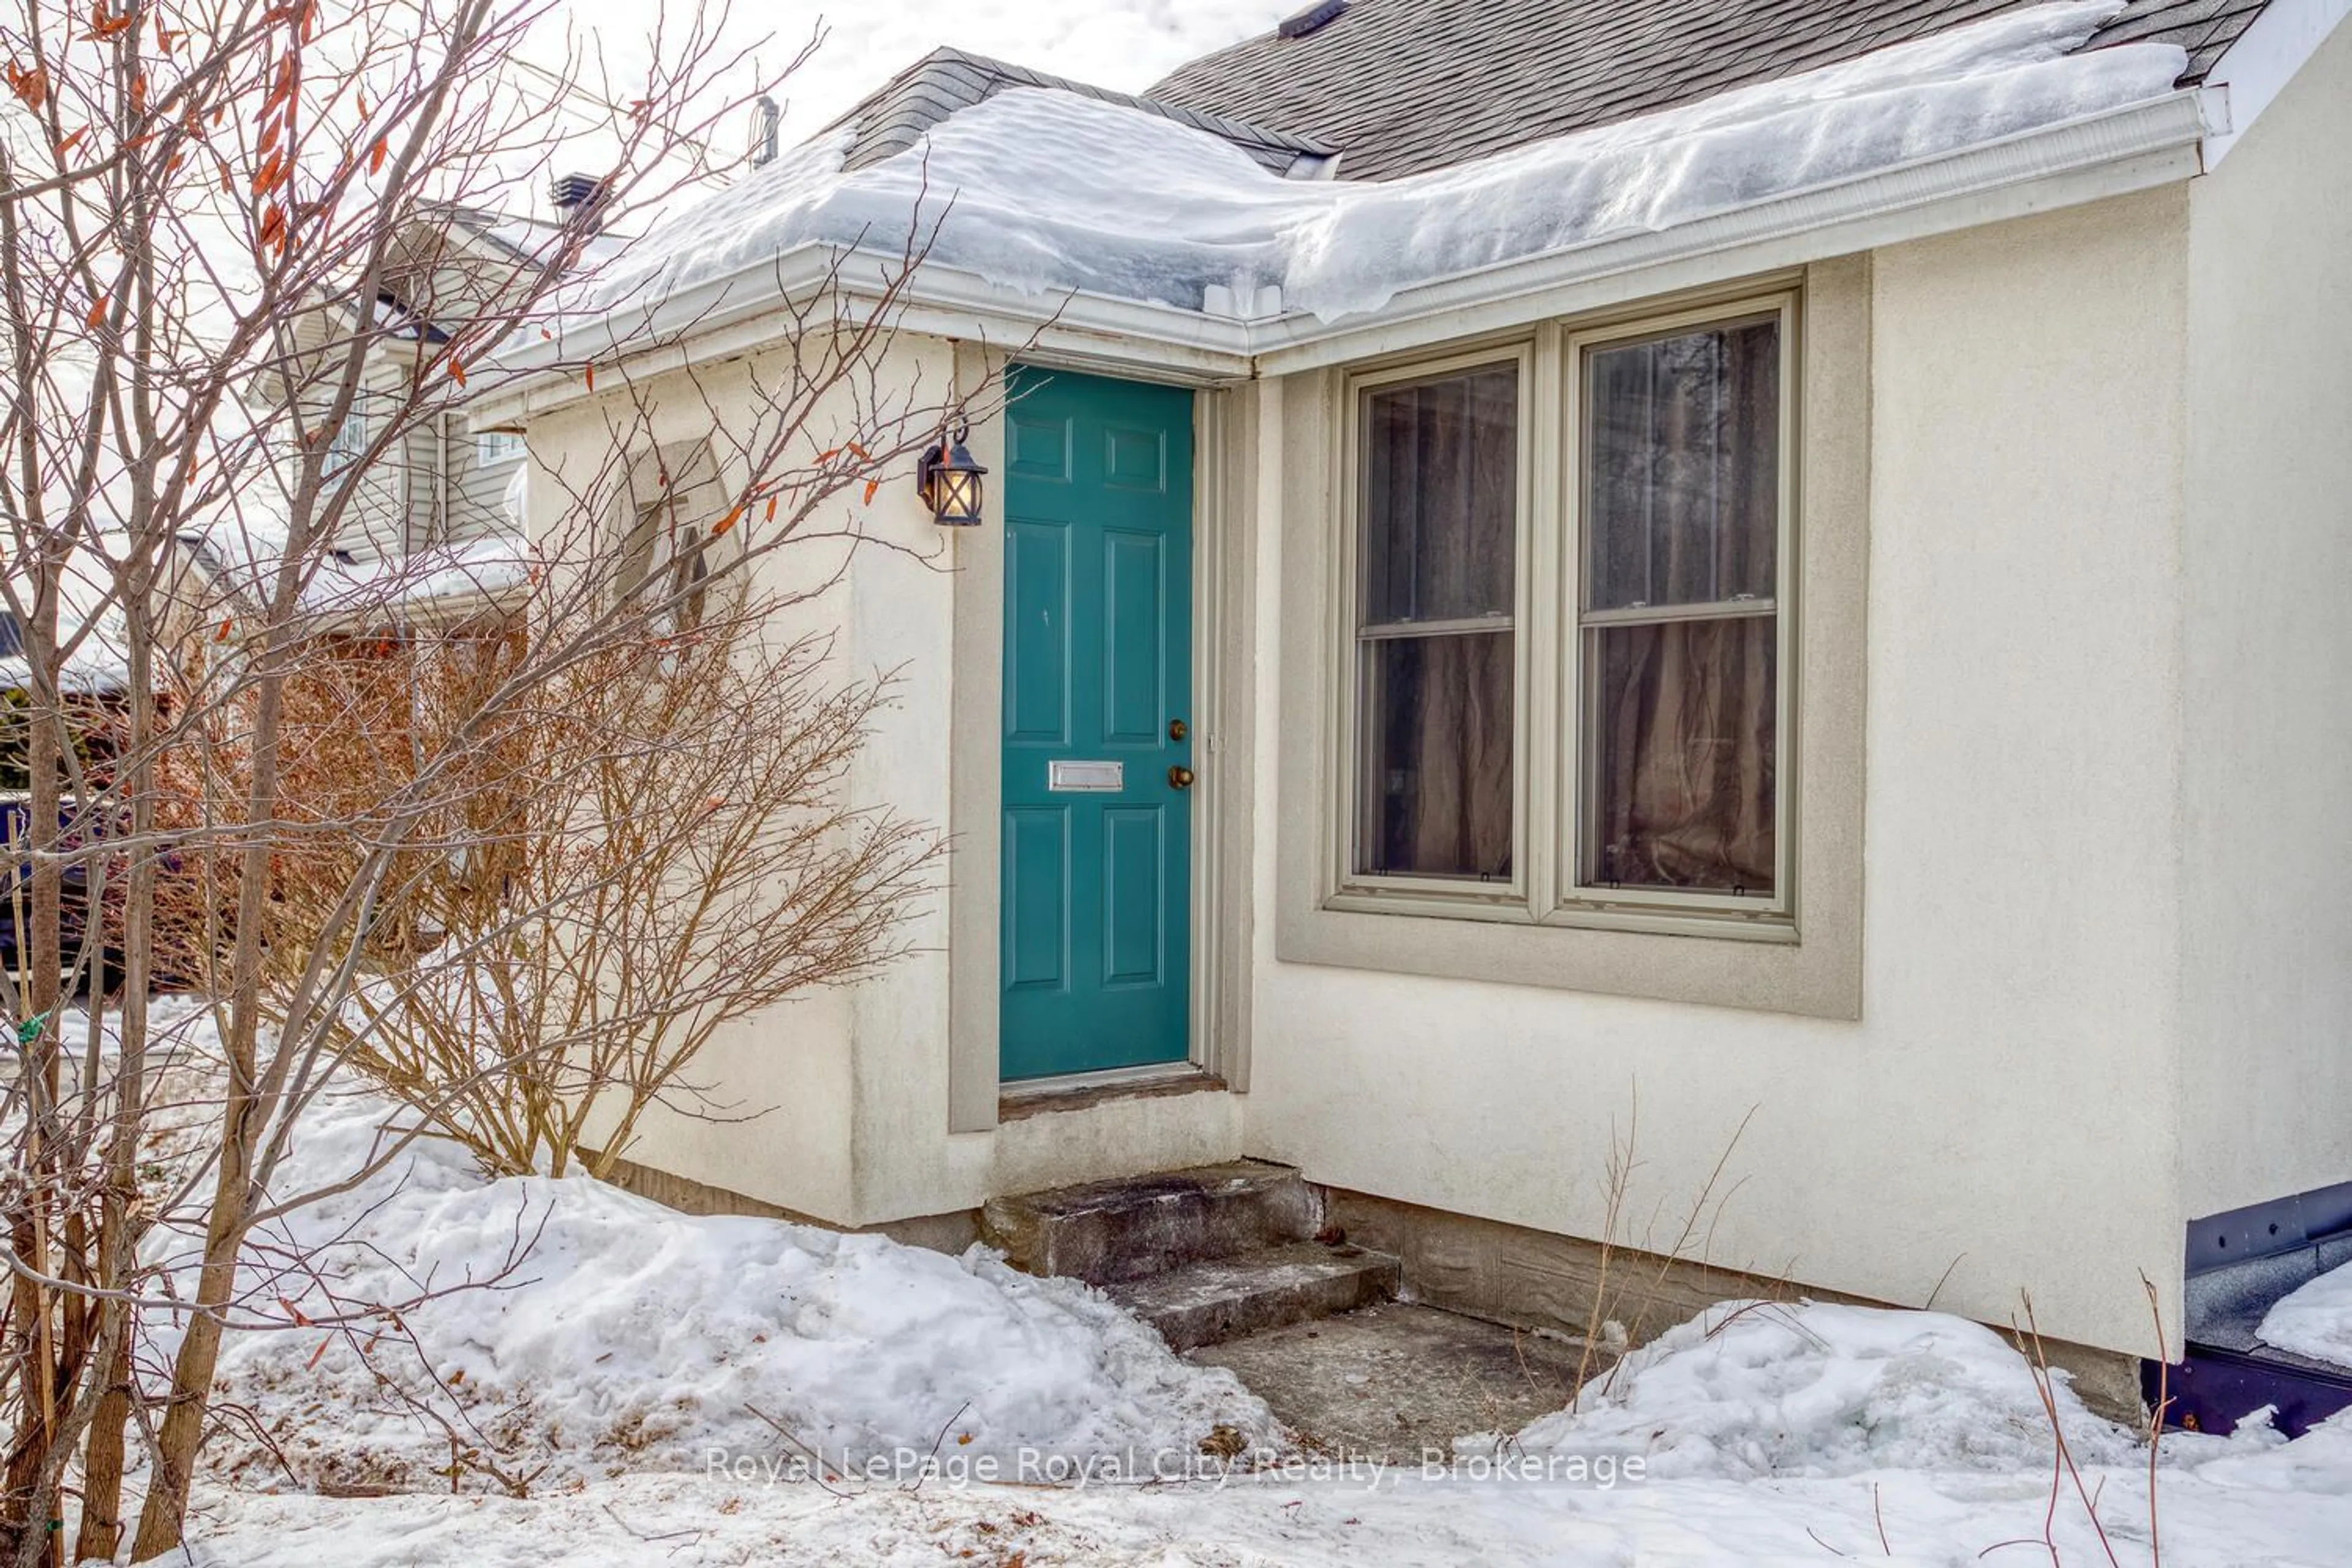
(1096, 960)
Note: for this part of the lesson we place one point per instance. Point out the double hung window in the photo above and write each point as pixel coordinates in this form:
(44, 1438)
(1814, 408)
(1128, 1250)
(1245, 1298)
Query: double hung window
(1568, 625)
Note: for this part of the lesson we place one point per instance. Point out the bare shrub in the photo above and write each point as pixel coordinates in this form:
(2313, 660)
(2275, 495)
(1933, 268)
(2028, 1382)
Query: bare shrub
(666, 848)
(204, 209)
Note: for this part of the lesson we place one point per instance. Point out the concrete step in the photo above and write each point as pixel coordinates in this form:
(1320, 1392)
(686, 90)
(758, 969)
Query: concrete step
(1219, 1298)
(1107, 1232)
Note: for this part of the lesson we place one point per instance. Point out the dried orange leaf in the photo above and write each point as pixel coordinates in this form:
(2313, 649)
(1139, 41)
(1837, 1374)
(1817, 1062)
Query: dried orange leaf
(727, 522)
(97, 313)
(31, 86)
(375, 158)
(872, 487)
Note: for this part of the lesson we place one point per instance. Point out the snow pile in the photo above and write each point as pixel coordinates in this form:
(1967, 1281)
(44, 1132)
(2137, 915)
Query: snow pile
(1047, 191)
(2314, 1319)
(1754, 1389)
(630, 1336)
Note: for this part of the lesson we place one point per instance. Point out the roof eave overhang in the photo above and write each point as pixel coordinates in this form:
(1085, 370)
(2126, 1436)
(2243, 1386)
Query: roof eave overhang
(2109, 153)
(833, 286)
(2112, 153)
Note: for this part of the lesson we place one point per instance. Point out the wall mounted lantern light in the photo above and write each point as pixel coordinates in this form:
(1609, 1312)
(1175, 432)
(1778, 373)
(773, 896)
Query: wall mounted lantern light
(948, 480)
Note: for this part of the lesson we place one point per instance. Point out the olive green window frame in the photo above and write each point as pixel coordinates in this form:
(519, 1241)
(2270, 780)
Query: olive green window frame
(1421, 891)
(1552, 787)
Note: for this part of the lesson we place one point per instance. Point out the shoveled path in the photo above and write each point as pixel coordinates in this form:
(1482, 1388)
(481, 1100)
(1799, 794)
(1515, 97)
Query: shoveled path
(1387, 1382)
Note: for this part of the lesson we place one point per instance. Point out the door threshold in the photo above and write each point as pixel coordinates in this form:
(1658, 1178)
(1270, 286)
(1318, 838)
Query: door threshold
(1078, 1090)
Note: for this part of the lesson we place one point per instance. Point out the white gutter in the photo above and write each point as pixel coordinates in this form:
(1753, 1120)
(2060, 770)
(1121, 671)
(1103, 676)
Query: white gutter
(2256, 69)
(2107, 154)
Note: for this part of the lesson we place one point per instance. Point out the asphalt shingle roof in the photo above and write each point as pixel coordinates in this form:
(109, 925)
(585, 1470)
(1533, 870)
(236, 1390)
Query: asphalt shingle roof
(1402, 85)
(947, 80)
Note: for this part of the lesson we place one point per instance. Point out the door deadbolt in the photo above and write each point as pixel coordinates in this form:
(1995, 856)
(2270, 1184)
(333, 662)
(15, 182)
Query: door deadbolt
(1177, 730)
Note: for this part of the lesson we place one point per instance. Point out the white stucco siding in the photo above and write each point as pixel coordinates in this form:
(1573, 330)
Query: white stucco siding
(2267, 976)
(791, 1086)
(2002, 1116)
(836, 1104)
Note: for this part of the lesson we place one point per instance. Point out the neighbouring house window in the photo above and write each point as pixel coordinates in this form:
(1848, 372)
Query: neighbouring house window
(350, 441)
(492, 447)
(1681, 445)
(1435, 655)
(1568, 625)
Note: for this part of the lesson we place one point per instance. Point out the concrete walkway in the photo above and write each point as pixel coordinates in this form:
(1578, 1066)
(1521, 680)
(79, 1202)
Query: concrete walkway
(1387, 1382)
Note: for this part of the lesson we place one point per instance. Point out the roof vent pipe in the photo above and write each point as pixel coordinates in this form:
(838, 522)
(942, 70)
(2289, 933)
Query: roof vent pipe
(1314, 18)
(578, 198)
(767, 118)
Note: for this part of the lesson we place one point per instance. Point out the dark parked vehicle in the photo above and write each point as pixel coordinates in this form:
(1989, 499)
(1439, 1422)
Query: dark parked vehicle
(77, 828)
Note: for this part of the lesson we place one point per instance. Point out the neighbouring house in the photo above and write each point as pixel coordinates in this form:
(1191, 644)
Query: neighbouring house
(1583, 573)
(432, 530)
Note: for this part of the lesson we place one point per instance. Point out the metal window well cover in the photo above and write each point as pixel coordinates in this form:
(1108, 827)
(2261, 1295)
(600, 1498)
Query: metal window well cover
(2240, 1265)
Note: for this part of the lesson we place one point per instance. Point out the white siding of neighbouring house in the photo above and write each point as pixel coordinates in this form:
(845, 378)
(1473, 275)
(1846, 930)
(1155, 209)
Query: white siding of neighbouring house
(2266, 810)
(430, 491)
(475, 507)
(2001, 1116)
(375, 523)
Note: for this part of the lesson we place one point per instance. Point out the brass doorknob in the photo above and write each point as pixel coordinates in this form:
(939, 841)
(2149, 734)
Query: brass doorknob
(1180, 777)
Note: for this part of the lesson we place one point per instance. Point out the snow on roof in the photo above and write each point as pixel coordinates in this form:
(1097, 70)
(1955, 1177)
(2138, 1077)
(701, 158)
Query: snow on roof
(241, 556)
(1047, 192)
(96, 666)
(97, 663)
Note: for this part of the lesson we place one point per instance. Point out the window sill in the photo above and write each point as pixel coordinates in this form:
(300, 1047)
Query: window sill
(1753, 966)
(1661, 920)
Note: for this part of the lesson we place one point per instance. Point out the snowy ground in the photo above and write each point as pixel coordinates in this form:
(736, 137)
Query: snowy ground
(620, 1361)
(706, 1390)
(2290, 1504)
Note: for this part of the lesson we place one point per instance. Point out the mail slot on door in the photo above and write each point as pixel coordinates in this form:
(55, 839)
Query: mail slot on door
(1085, 778)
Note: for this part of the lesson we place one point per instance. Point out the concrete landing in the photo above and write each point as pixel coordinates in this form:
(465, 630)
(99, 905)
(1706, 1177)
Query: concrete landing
(1107, 1233)
(1386, 1382)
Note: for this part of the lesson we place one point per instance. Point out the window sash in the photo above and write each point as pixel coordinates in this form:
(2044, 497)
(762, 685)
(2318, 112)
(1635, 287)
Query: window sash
(1583, 893)
(1360, 641)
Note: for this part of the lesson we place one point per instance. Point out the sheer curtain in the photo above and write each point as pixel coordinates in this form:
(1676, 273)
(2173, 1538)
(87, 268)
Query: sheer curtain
(1436, 643)
(1682, 514)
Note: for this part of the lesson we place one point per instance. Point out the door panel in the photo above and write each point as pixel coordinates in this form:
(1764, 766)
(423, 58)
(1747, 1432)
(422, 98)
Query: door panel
(1097, 665)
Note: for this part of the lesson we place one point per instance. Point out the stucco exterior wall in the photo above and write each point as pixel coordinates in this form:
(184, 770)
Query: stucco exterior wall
(2266, 979)
(836, 1105)
(784, 1083)
(2001, 1117)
